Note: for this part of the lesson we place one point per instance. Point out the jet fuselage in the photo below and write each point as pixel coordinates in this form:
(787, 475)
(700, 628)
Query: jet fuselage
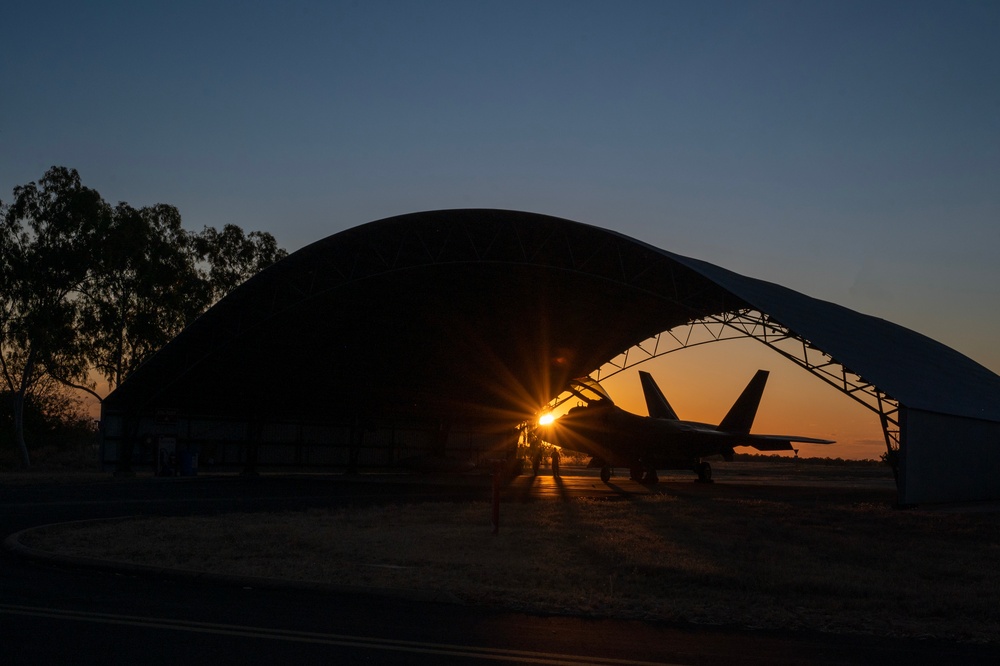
(622, 439)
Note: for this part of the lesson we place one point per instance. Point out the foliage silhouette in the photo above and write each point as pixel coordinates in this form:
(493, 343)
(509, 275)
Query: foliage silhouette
(93, 289)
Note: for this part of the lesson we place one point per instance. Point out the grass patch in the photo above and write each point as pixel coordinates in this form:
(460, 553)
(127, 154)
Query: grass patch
(824, 565)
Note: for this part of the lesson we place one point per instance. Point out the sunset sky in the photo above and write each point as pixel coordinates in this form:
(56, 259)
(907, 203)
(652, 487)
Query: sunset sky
(848, 150)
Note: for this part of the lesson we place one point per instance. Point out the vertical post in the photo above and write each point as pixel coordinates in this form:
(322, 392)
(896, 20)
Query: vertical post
(497, 473)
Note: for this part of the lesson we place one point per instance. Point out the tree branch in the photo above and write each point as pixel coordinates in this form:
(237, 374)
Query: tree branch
(79, 387)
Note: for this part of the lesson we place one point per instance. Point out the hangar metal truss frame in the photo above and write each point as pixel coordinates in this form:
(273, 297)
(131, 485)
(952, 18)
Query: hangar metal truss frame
(749, 323)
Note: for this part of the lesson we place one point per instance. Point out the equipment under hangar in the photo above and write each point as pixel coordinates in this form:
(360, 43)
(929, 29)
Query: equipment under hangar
(435, 335)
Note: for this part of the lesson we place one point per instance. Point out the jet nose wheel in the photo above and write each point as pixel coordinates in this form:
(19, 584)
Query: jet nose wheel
(606, 473)
(704, 471)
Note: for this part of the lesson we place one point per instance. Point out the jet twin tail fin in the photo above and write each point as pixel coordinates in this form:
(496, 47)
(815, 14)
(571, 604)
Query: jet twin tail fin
(741, 415)
(739, 419)
(737, 422)
(656, 402)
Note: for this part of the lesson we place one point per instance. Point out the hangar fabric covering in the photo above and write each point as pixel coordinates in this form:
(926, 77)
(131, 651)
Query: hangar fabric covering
(482, 316)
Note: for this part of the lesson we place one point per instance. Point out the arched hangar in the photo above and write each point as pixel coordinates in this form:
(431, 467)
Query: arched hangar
(440, 332)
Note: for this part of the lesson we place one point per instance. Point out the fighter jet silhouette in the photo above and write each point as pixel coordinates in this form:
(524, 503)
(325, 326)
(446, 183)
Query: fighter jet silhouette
(645, 444)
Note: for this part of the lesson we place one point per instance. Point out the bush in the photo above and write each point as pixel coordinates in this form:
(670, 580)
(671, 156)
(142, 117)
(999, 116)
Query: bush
(57, 430)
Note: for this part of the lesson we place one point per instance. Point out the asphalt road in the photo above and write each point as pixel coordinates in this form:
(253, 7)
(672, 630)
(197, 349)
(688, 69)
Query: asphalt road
(64, 614)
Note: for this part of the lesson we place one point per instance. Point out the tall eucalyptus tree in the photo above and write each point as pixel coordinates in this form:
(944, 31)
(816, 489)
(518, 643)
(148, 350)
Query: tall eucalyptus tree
(146, 287)
(49, 234)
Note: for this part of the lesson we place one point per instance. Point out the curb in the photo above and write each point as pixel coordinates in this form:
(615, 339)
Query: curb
(12, 543)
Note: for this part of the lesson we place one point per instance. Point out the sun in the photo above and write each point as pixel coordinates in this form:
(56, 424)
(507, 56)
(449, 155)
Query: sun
(546, 419)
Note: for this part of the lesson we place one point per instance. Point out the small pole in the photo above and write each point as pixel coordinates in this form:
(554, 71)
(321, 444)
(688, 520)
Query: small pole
(497, 467)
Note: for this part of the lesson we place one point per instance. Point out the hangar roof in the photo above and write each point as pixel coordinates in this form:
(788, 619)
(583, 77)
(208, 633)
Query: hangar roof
(915, 370)
(487, 314)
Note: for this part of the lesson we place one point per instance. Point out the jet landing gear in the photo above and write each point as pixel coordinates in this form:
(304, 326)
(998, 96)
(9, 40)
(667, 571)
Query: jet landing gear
(641, 474)
(605, 473)
(704, 471)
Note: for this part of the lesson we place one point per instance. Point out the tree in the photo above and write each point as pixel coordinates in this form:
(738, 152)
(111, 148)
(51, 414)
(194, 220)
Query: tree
(154, 278)
(56, 419)
(233, 257)
(146, 288)
(88, 287)
(48, 236)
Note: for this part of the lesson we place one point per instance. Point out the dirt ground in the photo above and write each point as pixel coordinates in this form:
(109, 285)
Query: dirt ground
(778, 546)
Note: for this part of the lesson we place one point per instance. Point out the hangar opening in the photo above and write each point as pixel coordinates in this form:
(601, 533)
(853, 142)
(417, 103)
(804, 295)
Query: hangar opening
(433, 335)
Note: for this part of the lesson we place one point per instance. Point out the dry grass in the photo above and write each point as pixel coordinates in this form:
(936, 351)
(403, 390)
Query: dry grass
(818, 565)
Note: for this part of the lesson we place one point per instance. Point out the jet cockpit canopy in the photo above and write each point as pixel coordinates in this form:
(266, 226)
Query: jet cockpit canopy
(590, 391)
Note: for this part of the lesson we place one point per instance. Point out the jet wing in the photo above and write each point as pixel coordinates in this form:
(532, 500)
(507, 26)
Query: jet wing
(779, 442)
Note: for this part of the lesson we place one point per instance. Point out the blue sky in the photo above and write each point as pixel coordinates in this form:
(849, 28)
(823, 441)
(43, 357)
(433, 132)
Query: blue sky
(850, 150)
